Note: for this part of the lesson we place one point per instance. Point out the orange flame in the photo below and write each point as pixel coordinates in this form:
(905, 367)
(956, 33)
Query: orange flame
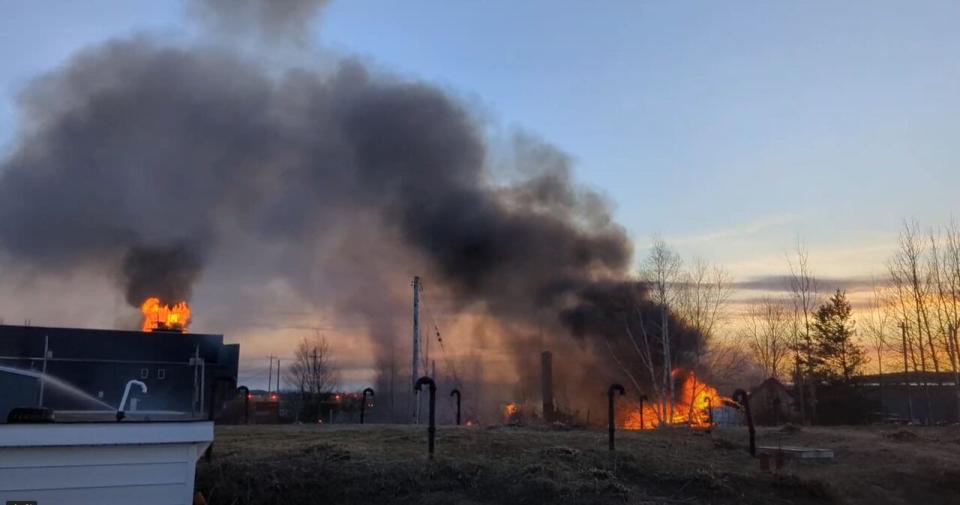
(692, 407)
(157, 316)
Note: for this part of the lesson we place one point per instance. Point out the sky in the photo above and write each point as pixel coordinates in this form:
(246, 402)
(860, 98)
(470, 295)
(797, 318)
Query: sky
(732, 130)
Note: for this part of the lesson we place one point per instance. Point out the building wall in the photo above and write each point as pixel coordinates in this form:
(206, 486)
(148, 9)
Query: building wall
(897, 399)
(100, 362)
(145, 475)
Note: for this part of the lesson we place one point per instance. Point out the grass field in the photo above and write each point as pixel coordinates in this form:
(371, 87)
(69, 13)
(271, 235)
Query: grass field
(295, 465)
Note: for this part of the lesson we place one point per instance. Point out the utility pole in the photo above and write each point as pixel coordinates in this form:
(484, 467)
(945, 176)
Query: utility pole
(269, 375)
(278, 374)
(416, 349)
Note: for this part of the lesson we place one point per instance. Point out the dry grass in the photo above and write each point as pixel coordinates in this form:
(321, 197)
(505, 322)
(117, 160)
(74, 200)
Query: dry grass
(294, 465)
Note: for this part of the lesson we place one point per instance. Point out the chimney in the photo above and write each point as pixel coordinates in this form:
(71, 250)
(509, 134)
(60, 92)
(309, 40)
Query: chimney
(546, 383)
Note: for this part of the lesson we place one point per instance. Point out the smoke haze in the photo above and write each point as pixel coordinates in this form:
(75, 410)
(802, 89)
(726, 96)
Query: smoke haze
(267, 21)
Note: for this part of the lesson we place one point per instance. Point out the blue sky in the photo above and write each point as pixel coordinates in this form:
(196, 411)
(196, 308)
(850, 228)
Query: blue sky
(730, 128)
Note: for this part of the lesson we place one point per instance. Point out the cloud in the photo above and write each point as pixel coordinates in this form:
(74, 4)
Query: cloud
(781, 283)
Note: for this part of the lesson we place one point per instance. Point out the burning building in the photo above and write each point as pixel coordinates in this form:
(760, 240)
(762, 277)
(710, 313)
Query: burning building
(73, 369)
(694, 406)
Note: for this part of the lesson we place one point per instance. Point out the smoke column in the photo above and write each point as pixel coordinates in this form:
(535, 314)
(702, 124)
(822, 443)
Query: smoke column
(152, 161)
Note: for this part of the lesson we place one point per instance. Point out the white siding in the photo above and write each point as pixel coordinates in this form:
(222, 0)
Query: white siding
(125, 473)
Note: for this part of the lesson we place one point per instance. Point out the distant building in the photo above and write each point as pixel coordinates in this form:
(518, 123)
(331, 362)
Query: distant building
(924, 397)
(185, 373)
(772, 404)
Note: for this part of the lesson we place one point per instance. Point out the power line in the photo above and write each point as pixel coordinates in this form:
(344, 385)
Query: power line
(436, 328)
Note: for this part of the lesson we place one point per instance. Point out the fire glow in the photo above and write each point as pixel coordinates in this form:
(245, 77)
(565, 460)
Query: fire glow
(692, 407)
(157, 316)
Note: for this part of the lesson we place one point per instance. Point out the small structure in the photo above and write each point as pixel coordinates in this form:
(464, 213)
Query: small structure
(102, 463)
(726, 416)
(772, 403)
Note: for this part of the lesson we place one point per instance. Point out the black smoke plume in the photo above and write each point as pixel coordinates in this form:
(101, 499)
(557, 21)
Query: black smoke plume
(166, 272)
(154, 161)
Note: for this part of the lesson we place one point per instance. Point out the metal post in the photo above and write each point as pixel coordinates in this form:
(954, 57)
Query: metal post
(432, 429)
(546, 385)
(643, 398)
(195, 361)
(363, 402)
(43, 376)
(743, 398)
(457, 393)
(610, 412)
(203, 385)
(416, 348)
(269, 375)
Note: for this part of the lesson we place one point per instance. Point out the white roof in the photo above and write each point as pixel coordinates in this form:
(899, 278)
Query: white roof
(119, 433)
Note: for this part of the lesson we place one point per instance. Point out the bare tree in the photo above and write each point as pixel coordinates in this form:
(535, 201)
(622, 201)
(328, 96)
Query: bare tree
(805, 296)
(767, 330)
(702, 300)
(703, 295)
(312, 372)
(908, 271)
(878, 327)
(951, 261)
(661, 271)
(942, 273)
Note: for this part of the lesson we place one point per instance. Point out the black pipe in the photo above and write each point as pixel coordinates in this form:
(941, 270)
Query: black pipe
(363, 403)
(643, 398)
(613, 388)
(709, 414)
(432, 429)
(246, 403)
(743, 398)
(457, 392)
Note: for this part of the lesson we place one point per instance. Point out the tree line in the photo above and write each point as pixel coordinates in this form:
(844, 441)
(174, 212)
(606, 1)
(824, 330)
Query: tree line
(909, 324)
